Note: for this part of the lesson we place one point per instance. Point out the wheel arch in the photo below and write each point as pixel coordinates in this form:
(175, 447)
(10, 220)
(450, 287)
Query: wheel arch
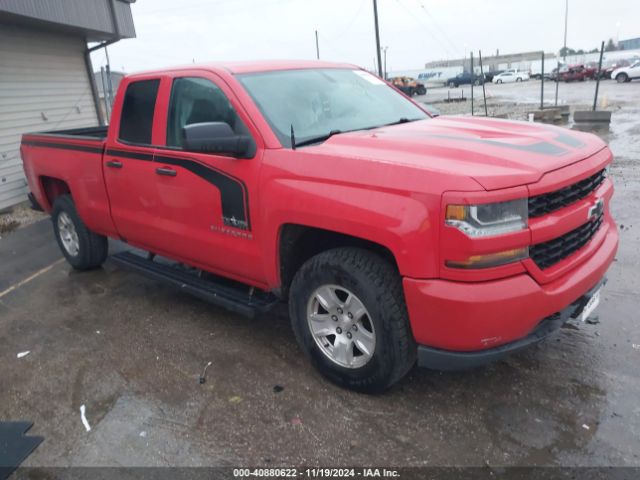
(52, 188)
(298, 243)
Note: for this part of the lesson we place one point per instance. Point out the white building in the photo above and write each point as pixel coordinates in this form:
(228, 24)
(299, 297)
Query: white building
(46, 78)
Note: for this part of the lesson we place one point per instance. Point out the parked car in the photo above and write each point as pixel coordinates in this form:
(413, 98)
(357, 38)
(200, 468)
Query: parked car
(488, 77)
(393, 236)
(409, 86)
(591, 69)
(510, 76)
(465, 78)
(626, 74)
(614, 64)
(575, 73)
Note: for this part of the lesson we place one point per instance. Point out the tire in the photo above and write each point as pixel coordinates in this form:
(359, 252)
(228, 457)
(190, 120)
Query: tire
(476, 83)
(622, 78)
(498, 81)
(377, 286)
(82, 248)
(518, 79)
(452, 85)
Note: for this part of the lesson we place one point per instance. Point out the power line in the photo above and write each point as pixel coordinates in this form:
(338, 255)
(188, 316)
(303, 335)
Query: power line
(427, 29)
(437, 25)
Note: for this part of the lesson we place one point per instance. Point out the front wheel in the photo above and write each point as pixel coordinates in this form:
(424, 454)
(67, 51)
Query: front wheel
(452, 85)
(498, 81)
(349, 316)
(622, 78)
(518, 79)
(82, 248)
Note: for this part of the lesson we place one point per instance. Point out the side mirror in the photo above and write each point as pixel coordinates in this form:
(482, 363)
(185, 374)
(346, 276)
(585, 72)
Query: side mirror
(217, 137)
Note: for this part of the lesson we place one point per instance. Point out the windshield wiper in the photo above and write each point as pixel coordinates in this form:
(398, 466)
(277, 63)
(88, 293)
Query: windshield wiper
(311, 141)
(399, 121)
(322, 138)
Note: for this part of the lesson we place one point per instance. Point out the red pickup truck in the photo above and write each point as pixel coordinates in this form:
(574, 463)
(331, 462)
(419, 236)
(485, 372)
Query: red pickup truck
(393, 236)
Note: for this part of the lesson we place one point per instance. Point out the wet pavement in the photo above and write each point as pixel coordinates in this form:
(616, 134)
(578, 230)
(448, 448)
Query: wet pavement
(132, 351)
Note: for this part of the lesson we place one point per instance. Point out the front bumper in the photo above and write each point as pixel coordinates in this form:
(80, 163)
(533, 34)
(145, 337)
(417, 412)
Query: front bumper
(475, 318)
(447, 360)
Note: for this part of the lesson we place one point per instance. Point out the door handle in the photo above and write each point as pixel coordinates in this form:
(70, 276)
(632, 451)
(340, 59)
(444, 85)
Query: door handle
(114, 164)
(169, 172)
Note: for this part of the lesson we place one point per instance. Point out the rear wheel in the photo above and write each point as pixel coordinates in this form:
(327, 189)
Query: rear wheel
(348, 313)
(82, 248)
(518, 79)
(622, 78)
(498, 81)
(452, 85)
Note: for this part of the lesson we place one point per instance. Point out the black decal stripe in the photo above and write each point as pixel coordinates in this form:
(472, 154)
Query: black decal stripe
(569, 141)
(62, 146)
(130, 154)
(544, 148)
(233, 192)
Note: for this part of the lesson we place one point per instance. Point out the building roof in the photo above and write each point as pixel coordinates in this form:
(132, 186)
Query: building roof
(94, 20)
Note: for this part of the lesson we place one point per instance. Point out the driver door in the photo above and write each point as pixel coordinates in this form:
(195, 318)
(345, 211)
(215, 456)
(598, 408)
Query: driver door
(207, 202)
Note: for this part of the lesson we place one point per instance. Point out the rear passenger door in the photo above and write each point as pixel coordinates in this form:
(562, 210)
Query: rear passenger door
(128, 166)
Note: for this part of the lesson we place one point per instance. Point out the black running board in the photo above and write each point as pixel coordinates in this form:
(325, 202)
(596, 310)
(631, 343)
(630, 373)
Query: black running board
(231, 295)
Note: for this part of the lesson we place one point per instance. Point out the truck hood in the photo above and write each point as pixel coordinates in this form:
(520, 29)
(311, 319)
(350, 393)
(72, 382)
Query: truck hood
(495, 153)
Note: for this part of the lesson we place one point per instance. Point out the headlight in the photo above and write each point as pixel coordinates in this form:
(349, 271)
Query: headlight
(489, 219)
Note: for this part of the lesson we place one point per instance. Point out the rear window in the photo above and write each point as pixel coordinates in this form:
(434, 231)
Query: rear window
(136, 120)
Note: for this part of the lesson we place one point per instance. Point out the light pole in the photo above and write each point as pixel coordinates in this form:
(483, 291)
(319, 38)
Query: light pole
(566, 21)
(464, 61)
(385, 62)
(375, 19)
(317, 47)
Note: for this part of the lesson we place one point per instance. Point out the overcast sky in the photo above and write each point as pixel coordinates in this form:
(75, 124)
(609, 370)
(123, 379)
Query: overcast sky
(171, 32)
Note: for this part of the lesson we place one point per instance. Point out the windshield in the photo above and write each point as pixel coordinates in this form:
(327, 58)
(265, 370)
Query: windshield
(318, 102)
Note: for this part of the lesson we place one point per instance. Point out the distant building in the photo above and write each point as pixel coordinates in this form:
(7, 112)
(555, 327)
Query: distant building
(630, 44)
(46, 78)
(493, 62)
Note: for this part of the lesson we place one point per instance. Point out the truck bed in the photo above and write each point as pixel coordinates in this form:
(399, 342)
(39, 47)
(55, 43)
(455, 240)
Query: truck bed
(89, 133)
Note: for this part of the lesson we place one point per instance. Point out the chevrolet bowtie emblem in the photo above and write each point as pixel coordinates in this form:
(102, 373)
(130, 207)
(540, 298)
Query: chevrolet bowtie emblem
(596, 209)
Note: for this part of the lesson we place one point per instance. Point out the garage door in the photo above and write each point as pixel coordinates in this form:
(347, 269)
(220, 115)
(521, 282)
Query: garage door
(43, 86)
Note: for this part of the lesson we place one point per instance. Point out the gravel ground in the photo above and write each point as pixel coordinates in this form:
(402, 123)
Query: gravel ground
(18, 216)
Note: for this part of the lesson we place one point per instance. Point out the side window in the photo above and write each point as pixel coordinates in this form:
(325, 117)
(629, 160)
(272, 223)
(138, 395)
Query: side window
(136, 120)
(198, 100)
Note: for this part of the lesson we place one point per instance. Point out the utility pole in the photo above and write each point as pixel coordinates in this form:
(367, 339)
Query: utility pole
(566, 21)
(109, 82)
(375, 18)
(542, 84)
(317, 46)
(385, 62)
(473, 79)
(564, 50)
